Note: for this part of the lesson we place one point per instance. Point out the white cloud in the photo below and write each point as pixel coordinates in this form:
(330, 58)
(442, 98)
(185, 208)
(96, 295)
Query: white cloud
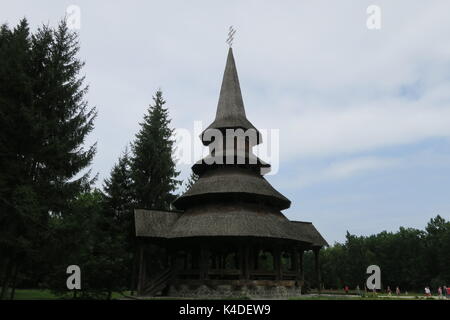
(340, 170)
(355, 166)
(321, 131)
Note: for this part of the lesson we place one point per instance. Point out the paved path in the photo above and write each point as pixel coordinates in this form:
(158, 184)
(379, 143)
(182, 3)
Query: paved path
(413, 297)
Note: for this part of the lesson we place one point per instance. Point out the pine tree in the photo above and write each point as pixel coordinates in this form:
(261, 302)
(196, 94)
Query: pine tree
(118, 187)
(118, 190)
(64, 117)
(152, 166)
(45, 120)
(18, 209)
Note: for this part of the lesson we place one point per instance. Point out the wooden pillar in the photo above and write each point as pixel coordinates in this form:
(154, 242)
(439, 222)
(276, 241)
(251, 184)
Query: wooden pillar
(295, 264)
(277, 263)
(213, 260)
(241, 263)
(142, 271)
(201, 263)
(222, 256)
(195, 259)
(204, 262)
(185, 259)
(167, 262)
(302, 269)
(317, 268)
(173, 258)
(255, 257)
(206, 253)
(247, 251)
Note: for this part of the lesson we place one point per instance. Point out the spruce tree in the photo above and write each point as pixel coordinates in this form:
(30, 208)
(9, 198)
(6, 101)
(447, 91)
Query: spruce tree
(119, 186)
(45, 120)
(152, 166)
(18, 207)
(65, 118)
(118, 190)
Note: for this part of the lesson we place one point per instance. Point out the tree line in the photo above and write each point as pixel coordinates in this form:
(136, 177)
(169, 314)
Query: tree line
(409, 258)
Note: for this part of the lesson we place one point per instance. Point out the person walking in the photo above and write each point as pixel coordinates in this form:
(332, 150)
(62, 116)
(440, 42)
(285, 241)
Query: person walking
(440, 293)
(445, 292)
(427, 292)
(397, 291)
(388, 290)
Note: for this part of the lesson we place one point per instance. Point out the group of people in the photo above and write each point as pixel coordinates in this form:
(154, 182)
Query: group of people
(443, 292)
(397, 291)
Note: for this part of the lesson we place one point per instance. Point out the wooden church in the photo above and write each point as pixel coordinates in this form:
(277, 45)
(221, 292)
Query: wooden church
(227, 236)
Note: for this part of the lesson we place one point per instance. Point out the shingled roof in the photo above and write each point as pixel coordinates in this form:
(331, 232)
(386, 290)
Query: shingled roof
(154, 223)
(308, 229)
(230, 109)
(241, 162)
(234, 220)
(244, 183)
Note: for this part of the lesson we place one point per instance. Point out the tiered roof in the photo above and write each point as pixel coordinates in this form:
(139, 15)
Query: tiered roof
(228, 200)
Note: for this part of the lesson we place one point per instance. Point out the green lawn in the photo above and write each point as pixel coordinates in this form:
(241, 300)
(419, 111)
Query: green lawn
(34, 294)
(43, 294)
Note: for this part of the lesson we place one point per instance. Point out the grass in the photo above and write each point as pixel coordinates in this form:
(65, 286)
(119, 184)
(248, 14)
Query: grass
(34, 294)
(44, 294)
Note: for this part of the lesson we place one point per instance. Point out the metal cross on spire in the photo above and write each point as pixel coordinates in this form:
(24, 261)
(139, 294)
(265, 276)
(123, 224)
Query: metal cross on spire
(230, 38)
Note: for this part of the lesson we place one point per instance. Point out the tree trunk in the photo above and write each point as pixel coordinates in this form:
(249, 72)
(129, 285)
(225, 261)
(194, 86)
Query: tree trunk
(317, 268)
(6, 279)
(141, 280)
(13, 282)
(133, 271)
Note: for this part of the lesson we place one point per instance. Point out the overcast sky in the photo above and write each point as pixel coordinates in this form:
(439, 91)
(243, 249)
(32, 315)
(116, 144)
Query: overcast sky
(364, 115)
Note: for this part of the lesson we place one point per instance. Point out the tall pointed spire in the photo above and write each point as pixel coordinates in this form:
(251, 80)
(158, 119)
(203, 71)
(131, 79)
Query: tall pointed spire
(230, 109)
(231, 105)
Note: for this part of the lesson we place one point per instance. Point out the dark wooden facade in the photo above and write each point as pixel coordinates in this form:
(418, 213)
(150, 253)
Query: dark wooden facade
(231, 261)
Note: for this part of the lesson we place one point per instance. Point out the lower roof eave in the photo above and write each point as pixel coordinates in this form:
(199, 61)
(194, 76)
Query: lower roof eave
(211, 238)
